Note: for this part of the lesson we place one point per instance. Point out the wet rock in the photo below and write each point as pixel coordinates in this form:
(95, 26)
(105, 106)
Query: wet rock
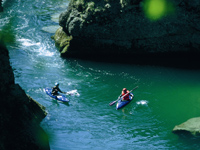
(121, 27)
(1, 7)
(62, 40)
(191, 126)
(20, 115)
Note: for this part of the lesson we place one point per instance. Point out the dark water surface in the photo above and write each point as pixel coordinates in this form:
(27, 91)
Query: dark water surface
(165, 97)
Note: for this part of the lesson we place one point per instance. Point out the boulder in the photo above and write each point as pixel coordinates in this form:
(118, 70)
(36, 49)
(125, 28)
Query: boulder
(111, 27)
(191, 126)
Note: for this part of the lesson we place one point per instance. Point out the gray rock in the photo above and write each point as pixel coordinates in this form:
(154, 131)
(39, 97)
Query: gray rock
(191, 126)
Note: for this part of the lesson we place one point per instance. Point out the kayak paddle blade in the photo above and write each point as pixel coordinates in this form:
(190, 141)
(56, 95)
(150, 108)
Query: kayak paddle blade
(112, 103)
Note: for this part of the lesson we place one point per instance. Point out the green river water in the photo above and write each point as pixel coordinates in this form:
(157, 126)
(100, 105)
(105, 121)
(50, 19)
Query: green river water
(166, 96)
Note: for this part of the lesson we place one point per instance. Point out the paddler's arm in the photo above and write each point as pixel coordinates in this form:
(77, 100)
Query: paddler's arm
(120, 96)
(64, 92)
(60, 90)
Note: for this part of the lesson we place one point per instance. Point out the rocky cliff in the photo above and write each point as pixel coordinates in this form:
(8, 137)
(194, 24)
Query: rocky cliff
(1, 7)
(154, 29)
(20, 115)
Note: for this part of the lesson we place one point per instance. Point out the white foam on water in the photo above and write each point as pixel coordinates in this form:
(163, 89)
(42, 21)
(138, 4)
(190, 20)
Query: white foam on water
(73, 93)
(39, 47)
(28, 42)
(142, 102)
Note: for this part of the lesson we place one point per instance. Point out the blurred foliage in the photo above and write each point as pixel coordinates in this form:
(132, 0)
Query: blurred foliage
(7, 34)
(156, 9)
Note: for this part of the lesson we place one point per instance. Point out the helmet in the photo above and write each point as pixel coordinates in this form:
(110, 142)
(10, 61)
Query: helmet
(124, 89)
(56, 84)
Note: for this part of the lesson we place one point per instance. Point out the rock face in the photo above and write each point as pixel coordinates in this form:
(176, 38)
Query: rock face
(1, 7)
(20, 115)
(191, 126)
(111, 27)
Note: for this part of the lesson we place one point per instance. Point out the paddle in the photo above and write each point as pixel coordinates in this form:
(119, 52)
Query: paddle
(112, 103)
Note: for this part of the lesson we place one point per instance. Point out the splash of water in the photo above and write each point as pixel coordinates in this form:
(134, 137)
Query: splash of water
(73, 93)
(28, 42)
(142, 102)
(41, 48)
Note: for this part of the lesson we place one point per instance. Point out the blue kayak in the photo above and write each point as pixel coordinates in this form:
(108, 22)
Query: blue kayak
(60, 97)
(122, 103)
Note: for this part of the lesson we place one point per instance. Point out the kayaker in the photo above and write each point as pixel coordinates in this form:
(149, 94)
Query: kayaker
(125, 91)
(56, 89)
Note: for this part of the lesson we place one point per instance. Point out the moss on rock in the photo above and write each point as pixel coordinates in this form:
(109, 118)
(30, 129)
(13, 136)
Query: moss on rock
(62, 40)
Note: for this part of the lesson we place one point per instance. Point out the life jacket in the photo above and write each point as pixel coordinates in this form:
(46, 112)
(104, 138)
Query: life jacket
(55, 90)
(125, 97)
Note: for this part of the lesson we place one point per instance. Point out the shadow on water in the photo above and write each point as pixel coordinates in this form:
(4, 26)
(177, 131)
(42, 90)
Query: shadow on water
(58, 103)
(181, 60)
(188, 138)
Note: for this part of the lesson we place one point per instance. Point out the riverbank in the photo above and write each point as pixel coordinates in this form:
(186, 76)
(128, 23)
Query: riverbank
(20, 114)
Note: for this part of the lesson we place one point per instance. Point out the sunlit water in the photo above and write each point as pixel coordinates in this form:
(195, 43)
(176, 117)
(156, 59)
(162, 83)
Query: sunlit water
(165, 97)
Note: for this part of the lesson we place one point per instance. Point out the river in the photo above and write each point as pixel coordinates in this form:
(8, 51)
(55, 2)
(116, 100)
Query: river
(166, 96)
